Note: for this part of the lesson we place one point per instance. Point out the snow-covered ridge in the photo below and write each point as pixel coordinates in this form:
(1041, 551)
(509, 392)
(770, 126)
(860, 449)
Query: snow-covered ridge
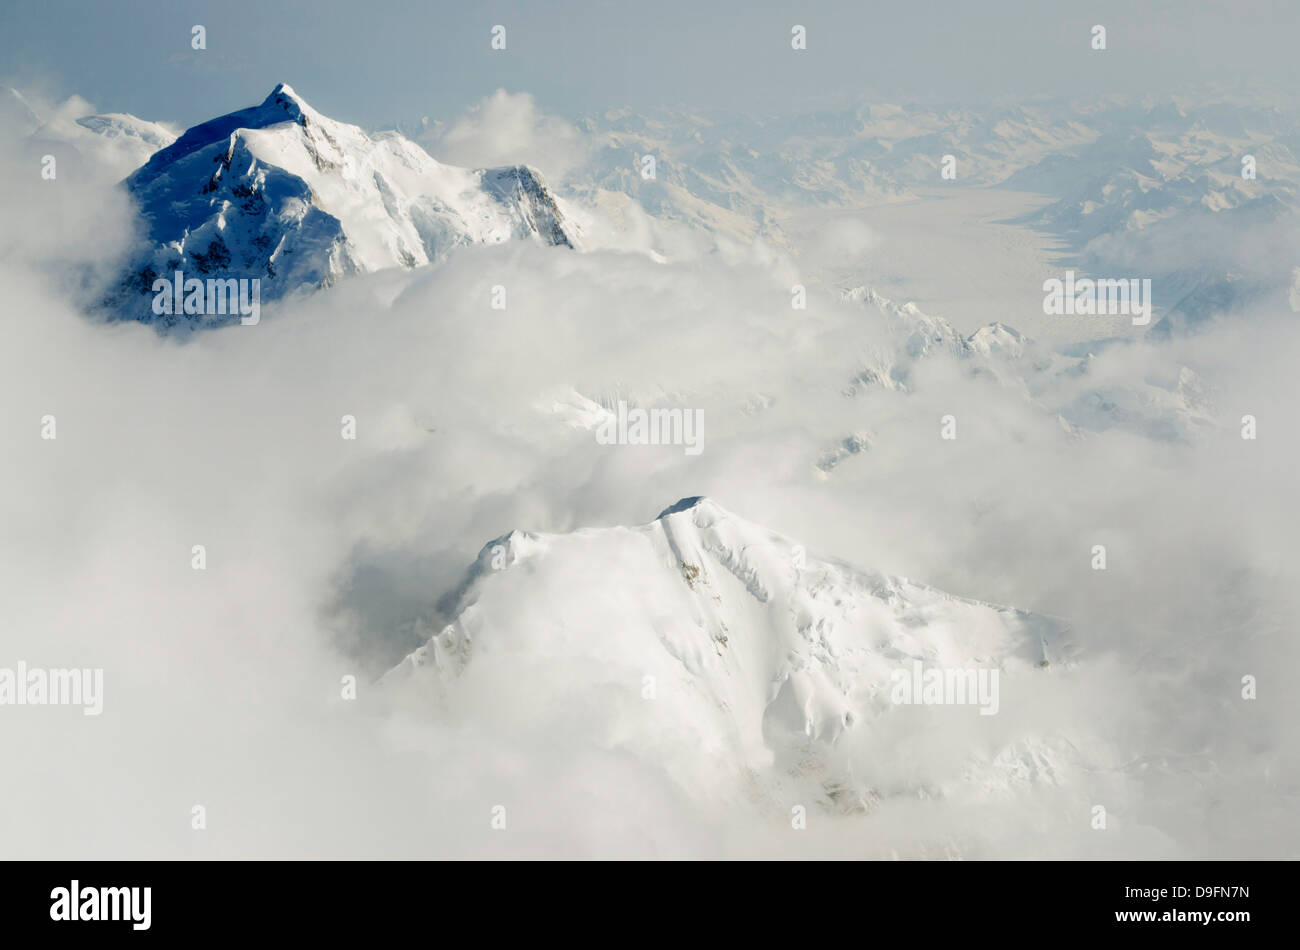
(284, 194)
(87, 146)
(1175, 406)
(118, 125)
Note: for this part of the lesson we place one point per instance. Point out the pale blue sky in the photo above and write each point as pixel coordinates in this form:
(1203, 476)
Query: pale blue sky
(378, 61)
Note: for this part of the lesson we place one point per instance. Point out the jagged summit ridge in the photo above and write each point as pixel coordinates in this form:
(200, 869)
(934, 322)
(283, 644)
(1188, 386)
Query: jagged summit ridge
(282, 105)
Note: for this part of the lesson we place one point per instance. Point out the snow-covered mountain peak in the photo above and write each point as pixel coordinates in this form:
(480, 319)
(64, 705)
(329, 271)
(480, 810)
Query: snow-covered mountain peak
(281, 106)
(284, 97)
(121, 125)
(281, 193)
(997, 339)
(762, 656)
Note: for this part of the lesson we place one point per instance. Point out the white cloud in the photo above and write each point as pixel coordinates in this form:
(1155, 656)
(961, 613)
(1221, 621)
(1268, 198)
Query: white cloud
(509, 129)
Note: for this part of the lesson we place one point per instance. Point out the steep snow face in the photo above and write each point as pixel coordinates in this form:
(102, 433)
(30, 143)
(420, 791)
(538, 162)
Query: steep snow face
(281, 193)
(714, 646)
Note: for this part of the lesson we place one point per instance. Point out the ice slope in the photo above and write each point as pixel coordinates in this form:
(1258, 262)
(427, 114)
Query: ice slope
(711, 645)
(281, 193)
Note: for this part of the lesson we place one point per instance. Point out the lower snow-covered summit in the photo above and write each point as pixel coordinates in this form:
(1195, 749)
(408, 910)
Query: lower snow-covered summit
(86, 146)
(284, 194)
(1086, 393)
(761, 660)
